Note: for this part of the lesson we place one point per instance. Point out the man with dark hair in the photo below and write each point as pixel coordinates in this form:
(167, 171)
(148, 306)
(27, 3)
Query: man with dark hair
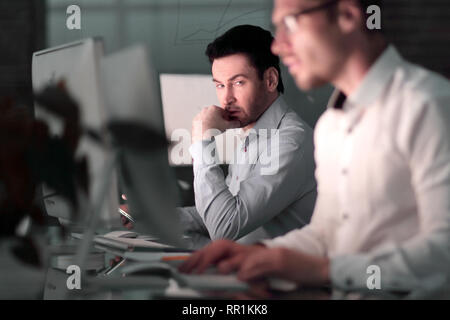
(382, 148)
(270, 188)
(236, 41)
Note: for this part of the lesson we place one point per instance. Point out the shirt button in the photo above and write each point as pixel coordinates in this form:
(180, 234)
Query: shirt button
(349, 130)
(344, 216)
(344, 171)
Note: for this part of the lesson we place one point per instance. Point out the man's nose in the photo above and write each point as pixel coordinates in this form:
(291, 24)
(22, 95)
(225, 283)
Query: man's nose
(229, 97)
(280, 43)
(275, 47)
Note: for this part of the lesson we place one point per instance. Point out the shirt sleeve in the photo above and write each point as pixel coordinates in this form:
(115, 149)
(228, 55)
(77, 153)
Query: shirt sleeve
(191, 220)
(421, 265)
(261, 196)
(311, 239)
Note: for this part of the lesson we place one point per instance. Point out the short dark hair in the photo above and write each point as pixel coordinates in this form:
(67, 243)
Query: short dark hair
(254, 42)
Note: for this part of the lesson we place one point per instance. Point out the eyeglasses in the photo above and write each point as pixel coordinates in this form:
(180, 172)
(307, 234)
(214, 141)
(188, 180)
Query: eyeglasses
(289, 22)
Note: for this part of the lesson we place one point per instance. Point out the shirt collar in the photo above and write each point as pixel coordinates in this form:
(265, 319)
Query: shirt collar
(271, 118)
(373, 84)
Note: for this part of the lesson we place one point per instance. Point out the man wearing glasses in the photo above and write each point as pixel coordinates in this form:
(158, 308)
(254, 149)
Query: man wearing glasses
(382, 164)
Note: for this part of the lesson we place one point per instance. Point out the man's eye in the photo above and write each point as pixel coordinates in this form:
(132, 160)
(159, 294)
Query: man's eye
(239, 83)
(219, 86)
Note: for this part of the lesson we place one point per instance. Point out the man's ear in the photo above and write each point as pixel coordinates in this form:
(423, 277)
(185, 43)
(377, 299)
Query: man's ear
(350, 16)
(271, 78)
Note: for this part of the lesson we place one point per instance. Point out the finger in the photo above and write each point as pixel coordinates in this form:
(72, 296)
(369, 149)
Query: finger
(226, 115)
(204, 258)
(190, 263)
(114, 261)
(255, 267)
(211, 109)
(230, 265)
(193, 260)
(126, 222)
(129, 225)
(213, 257)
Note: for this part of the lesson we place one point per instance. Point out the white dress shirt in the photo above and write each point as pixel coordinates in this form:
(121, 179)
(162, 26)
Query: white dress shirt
(383, 175)
(266, 194)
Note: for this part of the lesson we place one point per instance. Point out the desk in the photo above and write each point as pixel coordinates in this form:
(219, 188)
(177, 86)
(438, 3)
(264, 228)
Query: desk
(115, 286)
(94, 285)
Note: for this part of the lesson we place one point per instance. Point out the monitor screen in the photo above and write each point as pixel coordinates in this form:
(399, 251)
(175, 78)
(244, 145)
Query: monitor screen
(132, 95)
(78, 65)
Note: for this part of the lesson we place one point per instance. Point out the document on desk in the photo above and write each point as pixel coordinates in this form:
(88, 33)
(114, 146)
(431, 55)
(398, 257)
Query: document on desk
(129, 235)
(213, 282)
(202, 282)
(133, 244)
(155, 256)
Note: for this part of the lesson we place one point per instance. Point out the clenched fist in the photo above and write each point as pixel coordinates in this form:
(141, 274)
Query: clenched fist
(212, 121)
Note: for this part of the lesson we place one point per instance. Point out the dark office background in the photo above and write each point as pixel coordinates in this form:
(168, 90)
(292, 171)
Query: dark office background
(22, 31)
(170, 28)
(175, 28)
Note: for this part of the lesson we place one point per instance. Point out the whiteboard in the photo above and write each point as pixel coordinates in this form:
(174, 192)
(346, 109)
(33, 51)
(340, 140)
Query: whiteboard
(183, 97)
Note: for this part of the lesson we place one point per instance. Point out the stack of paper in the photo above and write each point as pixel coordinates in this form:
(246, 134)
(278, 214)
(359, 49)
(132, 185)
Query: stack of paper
(121, 242)
(202, 282)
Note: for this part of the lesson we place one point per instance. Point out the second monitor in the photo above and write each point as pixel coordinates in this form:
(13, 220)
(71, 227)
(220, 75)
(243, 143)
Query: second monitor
(132, 96)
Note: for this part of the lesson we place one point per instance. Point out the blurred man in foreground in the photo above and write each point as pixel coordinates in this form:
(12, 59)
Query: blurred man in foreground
(382, 164)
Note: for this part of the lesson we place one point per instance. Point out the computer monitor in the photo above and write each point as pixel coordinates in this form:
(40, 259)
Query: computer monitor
(132, 95)
(78, 64)
(189, 94)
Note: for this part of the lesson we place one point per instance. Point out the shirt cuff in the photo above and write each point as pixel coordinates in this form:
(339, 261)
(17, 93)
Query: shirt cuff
(360, 272)
(350, 273)
(366, 274)
(204, 153)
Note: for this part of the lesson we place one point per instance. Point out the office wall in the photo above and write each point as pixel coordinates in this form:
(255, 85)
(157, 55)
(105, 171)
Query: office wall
(176, 31)
(421, 31)
(21, 33)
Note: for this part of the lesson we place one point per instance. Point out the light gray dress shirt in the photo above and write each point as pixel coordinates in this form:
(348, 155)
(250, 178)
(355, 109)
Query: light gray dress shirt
(269, 190)
(383, 180)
